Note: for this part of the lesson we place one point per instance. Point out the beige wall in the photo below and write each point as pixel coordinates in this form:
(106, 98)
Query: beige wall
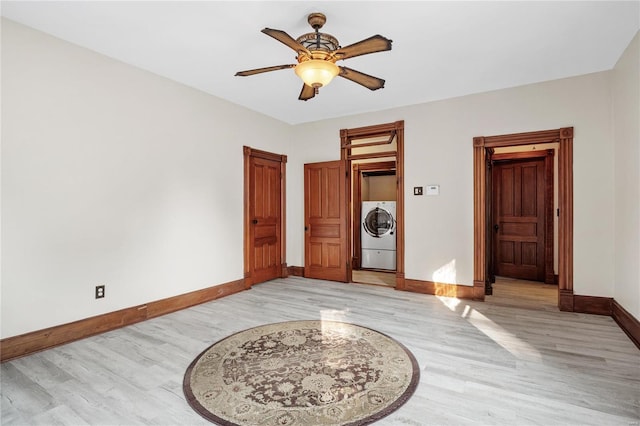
(438, 150)
(626, 126)
(113, 175)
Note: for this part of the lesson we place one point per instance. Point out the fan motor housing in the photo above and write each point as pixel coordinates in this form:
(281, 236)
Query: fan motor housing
(319, 41)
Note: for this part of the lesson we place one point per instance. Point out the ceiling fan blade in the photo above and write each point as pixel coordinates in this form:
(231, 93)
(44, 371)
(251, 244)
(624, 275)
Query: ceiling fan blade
(261, 70)
(366, 80)
(285, 38)
(377, 43)
(307, 92)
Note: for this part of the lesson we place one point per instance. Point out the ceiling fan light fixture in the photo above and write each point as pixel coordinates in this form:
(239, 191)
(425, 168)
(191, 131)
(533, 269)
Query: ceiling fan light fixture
(317, 72)
(316, 56)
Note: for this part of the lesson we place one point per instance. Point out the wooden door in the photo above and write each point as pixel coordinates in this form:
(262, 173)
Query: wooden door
(265, 218)
(326, 213)
(519, 213)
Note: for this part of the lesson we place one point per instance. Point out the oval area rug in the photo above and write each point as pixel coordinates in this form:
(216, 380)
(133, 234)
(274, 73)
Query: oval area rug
(301, 373)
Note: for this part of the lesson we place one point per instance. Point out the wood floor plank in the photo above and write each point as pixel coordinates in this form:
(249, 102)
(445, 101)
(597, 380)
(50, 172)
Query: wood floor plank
(481, 363)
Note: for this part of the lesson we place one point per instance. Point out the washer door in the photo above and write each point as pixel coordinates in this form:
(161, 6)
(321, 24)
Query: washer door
(378, 222)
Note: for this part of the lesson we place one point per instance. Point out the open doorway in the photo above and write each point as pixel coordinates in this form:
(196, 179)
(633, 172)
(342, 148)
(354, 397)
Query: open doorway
(522, 198)
(522, 205)
(374, 222)
(484, 148)
(374, 155)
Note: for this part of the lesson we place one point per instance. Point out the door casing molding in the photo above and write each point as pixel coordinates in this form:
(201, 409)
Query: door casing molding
(564, 137)
(396, 128)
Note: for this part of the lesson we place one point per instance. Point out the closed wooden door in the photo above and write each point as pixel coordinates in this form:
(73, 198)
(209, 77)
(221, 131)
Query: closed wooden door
(519, 213)
(325, 211)
(265, 180)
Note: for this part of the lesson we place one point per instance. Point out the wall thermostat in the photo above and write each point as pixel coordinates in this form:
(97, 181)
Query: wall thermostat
(433, 190)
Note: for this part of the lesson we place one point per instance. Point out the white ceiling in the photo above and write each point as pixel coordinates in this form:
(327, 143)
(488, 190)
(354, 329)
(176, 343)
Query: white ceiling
(440, 49)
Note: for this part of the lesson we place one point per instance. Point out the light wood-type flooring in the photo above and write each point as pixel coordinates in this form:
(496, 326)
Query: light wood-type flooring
(524, 294)
(365, 276)
(481, 363)
(506, 291)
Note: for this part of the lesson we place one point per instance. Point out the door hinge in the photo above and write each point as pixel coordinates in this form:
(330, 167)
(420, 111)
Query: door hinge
(558, 212)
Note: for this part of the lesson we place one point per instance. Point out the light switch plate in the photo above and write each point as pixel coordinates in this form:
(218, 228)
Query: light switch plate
(417, 190)
(433, 190)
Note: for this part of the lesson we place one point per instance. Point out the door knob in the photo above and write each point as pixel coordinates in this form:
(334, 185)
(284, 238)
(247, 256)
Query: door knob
(496, 227)
(255, 221)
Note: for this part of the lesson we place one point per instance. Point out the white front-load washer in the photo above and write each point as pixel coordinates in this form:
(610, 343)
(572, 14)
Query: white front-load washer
(378, 235)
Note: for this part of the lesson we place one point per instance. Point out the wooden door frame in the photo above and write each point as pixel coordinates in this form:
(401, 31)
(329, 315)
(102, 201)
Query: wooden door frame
(546, 156)
(393, 129)
(564, 137)
(249, 152)
(357, 170)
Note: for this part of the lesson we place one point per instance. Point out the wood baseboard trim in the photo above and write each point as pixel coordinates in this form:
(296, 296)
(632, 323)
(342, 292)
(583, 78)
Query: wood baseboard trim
(592, 305)
(25, 344)
(439, 289)
(35, 341)
(565, 300)
(627, 322)
(401, 281)
(187, 300)
(595, 305)
(296, 271)
(478, 290)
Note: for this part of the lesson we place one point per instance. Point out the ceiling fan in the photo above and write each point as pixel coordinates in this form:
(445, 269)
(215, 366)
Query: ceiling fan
(317, 55)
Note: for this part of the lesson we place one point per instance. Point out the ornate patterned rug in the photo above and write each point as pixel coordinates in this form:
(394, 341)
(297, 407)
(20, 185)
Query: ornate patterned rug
(301, 373)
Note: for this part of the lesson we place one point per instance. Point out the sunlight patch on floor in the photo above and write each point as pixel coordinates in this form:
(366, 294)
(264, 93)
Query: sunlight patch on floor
(450, 302)
(517, 347)
(334, 315)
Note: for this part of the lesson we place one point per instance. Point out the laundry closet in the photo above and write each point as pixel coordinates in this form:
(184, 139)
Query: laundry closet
(378, 220)
(375, 156)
